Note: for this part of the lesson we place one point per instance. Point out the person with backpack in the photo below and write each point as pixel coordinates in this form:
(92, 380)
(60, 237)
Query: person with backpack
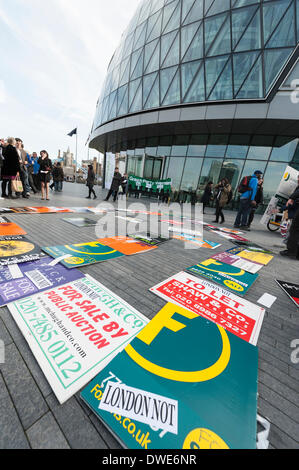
(223, 191)
(248, 189)
(259, 199)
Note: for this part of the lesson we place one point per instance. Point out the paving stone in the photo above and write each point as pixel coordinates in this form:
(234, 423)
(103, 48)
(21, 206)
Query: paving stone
(12, 435)
(46, 434)
(76, 426)
(4, 334)
(276, 417)
(25, 394)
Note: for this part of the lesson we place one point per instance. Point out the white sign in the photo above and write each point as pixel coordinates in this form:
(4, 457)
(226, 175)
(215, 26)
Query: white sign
(238, 316)
(75, 330)
(141, 406)
(110, 169)
(271, 209)
(289, 182)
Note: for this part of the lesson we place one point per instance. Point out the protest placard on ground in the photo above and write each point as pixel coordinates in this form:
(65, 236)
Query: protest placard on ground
(75, 330)
(250, 255)
(199, 242)
(127, 245)
(8, 228)
(291, 289)
(238, 262)
(236, 315)
(185, 358)
(18, 249)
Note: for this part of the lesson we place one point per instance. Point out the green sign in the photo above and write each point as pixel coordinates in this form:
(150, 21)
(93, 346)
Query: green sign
(144, 184)
(235, 279)
(211, 373)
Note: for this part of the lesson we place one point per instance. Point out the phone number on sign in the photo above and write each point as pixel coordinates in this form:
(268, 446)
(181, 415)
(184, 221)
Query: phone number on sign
(208, 307)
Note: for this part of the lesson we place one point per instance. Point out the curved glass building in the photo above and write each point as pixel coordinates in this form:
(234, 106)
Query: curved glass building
(203, 89)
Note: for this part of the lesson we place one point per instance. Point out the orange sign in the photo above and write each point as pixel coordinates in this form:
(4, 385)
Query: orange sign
(9, 229)
(126, 245)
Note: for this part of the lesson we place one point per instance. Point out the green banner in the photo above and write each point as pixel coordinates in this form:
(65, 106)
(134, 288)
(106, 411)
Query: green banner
(145, 184)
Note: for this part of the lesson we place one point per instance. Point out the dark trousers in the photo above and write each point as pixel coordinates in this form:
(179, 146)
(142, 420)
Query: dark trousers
(114, 192)
(293, 239)
(6, 184)
(91, 191)
(251, 216)
(243, 213)
(219, 212)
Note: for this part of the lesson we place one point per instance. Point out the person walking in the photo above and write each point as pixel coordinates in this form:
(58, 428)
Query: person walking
(58, 177)
(46, 167)
(35, 172)
(23, 166)
(247, 189)
(90, 182)
(29, 167)
(259, 199)
(207, 195)
(222, 191)
(116, 182)
(11, 167)
(292, 250)
(125, 185)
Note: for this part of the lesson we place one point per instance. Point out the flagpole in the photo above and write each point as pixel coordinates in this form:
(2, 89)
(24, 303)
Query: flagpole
(76, 155)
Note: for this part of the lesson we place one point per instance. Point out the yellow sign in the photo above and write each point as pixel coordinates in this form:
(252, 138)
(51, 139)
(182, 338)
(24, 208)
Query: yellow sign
(262, 258)
(164, 320)
(201, 438)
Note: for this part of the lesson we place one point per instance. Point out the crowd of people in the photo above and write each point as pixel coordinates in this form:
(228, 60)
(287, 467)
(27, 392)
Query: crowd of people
(22, 173)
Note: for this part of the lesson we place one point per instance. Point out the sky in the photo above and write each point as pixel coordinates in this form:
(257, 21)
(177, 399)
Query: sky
(54, 59)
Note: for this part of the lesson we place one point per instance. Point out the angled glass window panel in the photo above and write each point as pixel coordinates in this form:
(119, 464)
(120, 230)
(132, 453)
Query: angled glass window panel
(121, 95)
(272, 14)
(223, 90)
(212, 27)
(191, 174)
(210, 171)
(240, 21)
(214, 68)
(134, 60)
(153, 100)
(139, 67)
(113, 105)
(251, 39)
(236, 151)
(173, 93)
(174, 21)
(115, 78)
(242, 3)
(218, 7)
(253, 86)
(106, 109)
(156, 5)
(272, 178)
(259, 153)
(274, 61)
(151, 23)
(163, 151)
(137, 101)
(148, 52)
(144, 11)
(148, 81)
(175, 170)
(166, 43)
(196, 92)
(284, 34)
(156, 31)
(166, 76)
(243, 63)
(188, 71)
(124, 71)
(196, 150)
(284, 153)
(133, 86)
(196, 12)
(179, 150)
(154, 63)
(231, 169)
(195, 50)
(186, 7)
(187, 35)
(173, 56)
(140, 36)
(168, 12)
(208, 4)
(128, 45)
(222, 43)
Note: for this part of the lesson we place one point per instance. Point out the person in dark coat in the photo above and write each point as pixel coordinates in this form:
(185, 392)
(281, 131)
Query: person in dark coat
(116, 182)
(91, 182)
(58, 177)
(45, 169)
(292, 250)
(11, 166)
(207, 195)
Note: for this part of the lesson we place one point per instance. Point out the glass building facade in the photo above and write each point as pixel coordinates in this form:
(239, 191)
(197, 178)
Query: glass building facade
(176, 54)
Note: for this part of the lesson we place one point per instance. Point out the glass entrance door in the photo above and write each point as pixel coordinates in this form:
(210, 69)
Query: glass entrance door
(153, 168)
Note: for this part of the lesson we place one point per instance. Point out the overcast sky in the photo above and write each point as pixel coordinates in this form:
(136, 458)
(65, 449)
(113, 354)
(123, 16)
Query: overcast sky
(54, 58)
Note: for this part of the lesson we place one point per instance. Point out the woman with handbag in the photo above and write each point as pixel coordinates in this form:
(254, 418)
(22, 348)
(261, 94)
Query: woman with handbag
(11, 169)
(45, 170)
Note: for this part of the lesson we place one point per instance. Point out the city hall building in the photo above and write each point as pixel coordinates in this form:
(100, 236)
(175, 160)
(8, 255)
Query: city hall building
(199, 90)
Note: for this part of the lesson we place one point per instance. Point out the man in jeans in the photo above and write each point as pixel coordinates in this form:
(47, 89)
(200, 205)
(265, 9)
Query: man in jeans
(247, 201)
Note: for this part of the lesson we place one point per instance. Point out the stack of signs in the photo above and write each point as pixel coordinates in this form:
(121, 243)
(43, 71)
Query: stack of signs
(183, 232)
(20, 281)
(82, 254)
(252, 246)
(8, 228)
(250, 255)
(149, 239)
(183, 383)
(75, 330)
(238, 316)
(16, 249)
(126, 245)
(229, 276)
(229, 236)
(291, 289)
(238, 262)
(199, 242)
